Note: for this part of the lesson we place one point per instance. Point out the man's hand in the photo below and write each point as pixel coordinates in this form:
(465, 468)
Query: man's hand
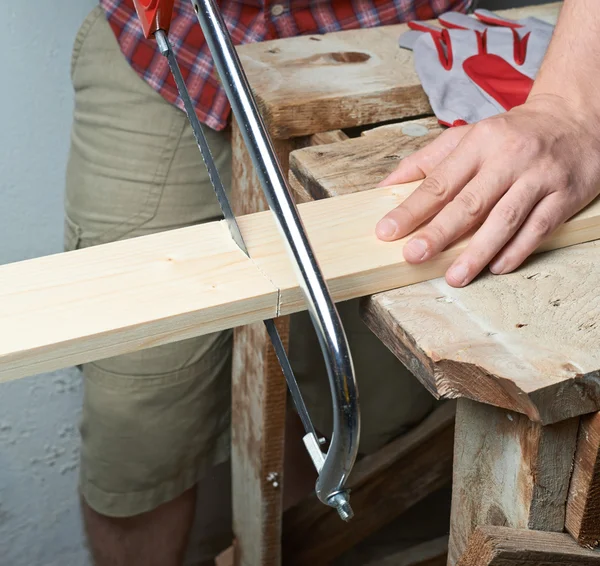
(513, 178)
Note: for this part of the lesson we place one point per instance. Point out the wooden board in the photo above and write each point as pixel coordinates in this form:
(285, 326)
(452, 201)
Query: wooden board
(357, 164)
(502, 546)
(383, 486)
(508, 471)
(133, 294)
(313, 83)
(259, 393)
(526, 341)
(258, 402)
(583, 504)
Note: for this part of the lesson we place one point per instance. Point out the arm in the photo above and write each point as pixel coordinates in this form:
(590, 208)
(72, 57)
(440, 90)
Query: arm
(514, 178)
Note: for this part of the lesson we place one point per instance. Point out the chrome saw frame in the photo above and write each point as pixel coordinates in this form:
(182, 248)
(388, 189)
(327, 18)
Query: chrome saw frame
(335, 465)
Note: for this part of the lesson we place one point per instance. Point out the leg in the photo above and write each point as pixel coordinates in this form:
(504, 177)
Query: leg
(155, 538)
(155, 422)
(508, 471)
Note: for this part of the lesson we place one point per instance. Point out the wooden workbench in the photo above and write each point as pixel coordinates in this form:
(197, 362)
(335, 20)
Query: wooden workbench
(316, 91)
(520, 352)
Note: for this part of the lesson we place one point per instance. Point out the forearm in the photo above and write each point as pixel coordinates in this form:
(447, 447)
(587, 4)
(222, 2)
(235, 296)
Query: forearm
(572, 63)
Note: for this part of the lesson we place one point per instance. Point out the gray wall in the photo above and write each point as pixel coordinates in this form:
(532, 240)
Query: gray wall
(39, 522)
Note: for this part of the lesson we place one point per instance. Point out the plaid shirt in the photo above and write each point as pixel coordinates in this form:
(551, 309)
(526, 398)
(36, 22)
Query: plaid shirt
(248, 21)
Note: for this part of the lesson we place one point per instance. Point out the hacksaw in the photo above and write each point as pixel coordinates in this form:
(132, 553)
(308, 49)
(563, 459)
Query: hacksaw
(334, 466)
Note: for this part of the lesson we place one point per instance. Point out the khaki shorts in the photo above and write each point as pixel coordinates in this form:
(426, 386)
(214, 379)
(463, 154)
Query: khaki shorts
(154, 422)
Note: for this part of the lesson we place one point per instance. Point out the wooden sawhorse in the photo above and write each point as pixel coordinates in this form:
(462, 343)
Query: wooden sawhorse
(309, 88)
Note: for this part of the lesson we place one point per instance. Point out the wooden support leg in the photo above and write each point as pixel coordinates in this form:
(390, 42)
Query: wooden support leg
(508, 471)
(258, 403)
(258, 394)
(583, 505)
(502, 546)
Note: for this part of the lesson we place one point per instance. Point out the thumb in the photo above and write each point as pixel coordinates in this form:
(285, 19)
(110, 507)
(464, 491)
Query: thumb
(421, 163)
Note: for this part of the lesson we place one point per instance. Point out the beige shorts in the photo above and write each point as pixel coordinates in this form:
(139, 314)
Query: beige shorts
(156, 421)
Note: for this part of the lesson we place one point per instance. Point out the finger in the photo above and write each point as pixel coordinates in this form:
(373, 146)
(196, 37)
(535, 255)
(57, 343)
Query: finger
(421, 163)
(468, 209)
(547, 215)
(431, 196)
(504, 220)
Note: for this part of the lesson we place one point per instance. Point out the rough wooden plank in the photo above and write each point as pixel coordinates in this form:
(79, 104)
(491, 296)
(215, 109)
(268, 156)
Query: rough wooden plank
(430, 553)
(357, 164)
(526, 341)
(502, 546)
(299, 191)
(383, 485)
(508, 471)
(583, 504)
(258, 402)
(313, 83)
(258, 394)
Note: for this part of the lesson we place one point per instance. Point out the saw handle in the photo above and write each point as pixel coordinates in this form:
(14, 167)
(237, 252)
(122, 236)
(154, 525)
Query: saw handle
(154, 15)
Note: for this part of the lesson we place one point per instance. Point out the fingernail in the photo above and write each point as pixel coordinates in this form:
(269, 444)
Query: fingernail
(458, 273)
(386, 228)
(417, 249)
(383, 183)
(498, 266)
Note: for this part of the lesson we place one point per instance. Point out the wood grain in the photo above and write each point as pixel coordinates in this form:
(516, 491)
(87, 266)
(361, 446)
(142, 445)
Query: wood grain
(583, 504)
(258, 403)
(357, 164)
(526, 341)
(508, 471)
(316, 83)
(383, 486)
(129, 295)
(502, 546)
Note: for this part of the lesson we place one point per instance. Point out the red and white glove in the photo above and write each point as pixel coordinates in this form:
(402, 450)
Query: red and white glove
(474, 68)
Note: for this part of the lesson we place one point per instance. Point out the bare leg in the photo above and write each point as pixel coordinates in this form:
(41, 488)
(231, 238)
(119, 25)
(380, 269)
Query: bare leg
(156, 538)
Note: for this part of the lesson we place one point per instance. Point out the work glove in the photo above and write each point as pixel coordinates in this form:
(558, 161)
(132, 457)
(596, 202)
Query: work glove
(474, 68)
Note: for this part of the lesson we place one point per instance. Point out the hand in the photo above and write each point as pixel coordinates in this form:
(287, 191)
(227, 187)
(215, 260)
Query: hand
(514, 178)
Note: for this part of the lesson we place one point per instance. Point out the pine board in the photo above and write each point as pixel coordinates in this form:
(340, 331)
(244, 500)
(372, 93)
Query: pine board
(124, 296)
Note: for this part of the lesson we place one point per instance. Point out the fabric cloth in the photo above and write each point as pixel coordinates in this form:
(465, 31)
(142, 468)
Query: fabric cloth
(248, 21)
(156, 421)
(473, 68)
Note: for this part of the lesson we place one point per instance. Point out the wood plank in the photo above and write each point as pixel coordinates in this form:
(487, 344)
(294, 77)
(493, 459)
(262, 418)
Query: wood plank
(430, 553)
(258, 401)
(259, 393)
(299, 191)
(502, 546)
(357, 164)
(316, 83)
(583, 504)
(383, 486)
(508, 471)
(526, 341)
(129, 295)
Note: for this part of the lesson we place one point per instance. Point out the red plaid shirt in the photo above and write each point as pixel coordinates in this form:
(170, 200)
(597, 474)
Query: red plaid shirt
(248, 21)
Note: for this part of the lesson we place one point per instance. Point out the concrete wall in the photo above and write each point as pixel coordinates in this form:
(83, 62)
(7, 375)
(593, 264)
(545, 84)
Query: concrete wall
(39, 521)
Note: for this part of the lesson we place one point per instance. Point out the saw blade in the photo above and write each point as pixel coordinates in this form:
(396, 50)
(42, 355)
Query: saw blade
(215, 179)
(213, 173)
